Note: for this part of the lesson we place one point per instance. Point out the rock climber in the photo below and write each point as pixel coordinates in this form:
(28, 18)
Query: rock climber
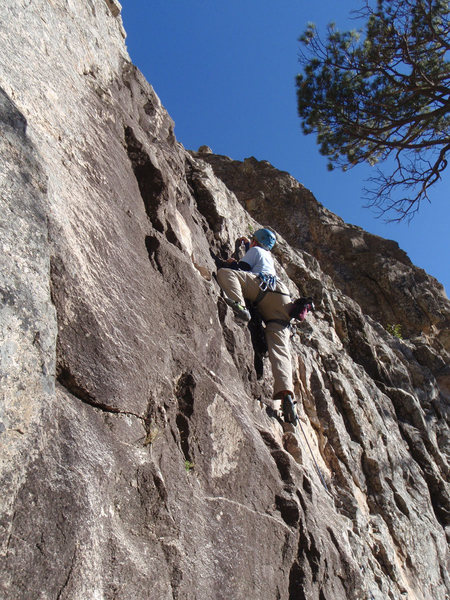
(253, 278)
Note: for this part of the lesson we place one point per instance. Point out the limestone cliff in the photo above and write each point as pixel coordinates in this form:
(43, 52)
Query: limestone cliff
(137, 460)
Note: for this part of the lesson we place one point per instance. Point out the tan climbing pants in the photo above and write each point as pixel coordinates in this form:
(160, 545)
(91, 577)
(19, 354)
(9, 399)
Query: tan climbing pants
(241, 286)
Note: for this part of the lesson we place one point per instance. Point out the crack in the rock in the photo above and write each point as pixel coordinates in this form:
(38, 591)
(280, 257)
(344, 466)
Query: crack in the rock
(185, 396)
(148, 176)
(280, 457)
(69, 574)
(250, 510)
(67, 380)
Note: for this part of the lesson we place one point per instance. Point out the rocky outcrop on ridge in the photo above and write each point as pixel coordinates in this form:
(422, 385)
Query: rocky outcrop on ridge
(373, 271)
(137, 457)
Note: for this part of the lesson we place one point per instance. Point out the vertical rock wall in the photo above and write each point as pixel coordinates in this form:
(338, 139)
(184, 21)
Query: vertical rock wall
(136, 458)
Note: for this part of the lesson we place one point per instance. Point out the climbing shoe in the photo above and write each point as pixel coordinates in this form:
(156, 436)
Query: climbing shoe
(289, 410)
(239, 310)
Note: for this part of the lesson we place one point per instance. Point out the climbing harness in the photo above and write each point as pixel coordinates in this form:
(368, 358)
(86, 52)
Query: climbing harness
(268, 284)
(279, 322)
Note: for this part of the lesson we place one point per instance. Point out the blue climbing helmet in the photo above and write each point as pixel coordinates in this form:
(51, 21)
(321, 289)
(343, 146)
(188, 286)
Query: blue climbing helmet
(265, 238)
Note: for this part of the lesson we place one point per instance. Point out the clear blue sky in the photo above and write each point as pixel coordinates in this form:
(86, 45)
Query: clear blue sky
(225, 71)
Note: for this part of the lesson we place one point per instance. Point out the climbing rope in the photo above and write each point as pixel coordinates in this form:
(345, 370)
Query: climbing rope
(312, 456)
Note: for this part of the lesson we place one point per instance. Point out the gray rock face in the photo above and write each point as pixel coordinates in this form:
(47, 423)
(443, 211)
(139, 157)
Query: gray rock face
(137, 460)
(27, 316)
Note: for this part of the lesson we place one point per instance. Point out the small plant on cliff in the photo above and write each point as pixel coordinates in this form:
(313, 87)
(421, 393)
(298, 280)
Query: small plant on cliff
(395, 330)
(151, 436)
(188, 465)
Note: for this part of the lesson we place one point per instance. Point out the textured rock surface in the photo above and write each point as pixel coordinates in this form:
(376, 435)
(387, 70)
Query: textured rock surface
(136, 459)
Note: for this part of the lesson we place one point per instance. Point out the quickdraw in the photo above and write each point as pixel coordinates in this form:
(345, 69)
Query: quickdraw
(268, 282)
